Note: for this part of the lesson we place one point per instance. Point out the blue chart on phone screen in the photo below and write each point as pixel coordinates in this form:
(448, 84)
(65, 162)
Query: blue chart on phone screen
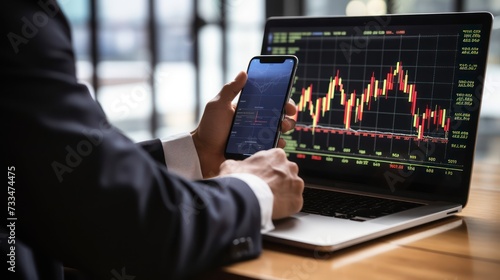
(259, 108)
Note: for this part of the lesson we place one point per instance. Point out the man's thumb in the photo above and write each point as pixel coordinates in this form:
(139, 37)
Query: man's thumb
(231, 89)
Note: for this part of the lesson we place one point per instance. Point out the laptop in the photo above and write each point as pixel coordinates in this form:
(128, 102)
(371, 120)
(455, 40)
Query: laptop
(387, 115)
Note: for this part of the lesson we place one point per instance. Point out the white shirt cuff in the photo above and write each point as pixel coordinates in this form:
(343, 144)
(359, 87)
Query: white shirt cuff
(181, 156)
(264, 196)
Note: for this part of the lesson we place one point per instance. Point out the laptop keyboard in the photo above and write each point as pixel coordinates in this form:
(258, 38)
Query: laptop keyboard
(351, 206)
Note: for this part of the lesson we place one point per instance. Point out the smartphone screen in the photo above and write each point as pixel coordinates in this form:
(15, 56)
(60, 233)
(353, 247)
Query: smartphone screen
(259, 111)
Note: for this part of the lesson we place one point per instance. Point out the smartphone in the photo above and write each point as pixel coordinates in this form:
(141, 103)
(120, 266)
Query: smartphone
(260, 108)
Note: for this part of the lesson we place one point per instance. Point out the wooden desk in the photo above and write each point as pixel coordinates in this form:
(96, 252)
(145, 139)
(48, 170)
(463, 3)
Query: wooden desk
(463, 247)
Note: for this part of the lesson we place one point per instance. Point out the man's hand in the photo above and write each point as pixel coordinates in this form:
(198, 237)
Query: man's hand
(211, 134)
(279, 173)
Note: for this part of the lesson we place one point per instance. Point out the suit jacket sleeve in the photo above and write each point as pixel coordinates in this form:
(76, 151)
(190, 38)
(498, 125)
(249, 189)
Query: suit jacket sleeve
(85, 194)
(155, 149)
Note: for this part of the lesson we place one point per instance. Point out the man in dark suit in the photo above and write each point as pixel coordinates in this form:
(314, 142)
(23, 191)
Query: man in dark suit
(82, 195)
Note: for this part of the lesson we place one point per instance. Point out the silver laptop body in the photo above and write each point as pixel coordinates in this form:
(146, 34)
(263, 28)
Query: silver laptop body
(388, 107)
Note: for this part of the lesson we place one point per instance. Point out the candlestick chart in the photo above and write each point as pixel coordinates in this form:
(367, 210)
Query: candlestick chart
(378, 98)
(355, 104)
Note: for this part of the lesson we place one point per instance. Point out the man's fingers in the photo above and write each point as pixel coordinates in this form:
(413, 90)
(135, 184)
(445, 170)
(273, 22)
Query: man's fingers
(290, 107)
(281, 143)
(231, 89)
(287, 124)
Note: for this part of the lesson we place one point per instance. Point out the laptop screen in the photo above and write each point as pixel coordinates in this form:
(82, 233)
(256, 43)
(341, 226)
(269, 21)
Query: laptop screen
(386, 103)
